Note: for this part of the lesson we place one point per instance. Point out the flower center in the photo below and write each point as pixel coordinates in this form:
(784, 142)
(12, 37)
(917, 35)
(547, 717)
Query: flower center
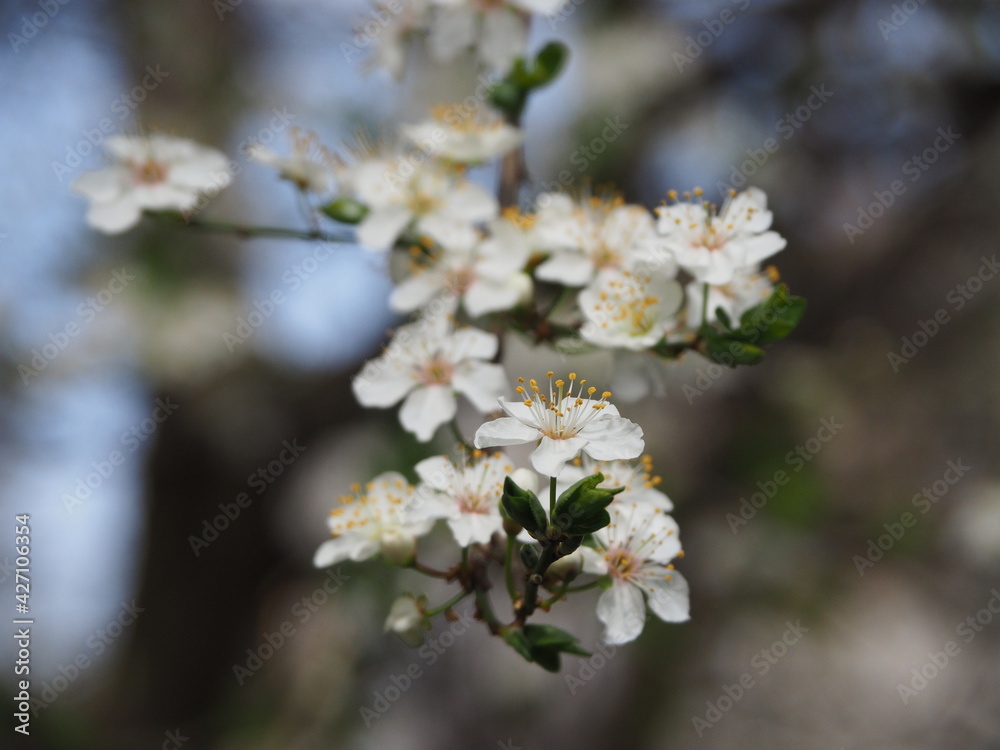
(621, 563)
(150, 172)
(458, 280)
(562, 413)
(436, 372)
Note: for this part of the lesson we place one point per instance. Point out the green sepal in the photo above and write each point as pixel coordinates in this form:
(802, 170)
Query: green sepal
(581, 510)
(346, 211)
(523, 506)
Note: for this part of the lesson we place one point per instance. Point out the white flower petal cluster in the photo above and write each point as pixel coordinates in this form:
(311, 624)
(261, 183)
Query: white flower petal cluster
(404, 192)
(715, 245)
(425, 365)
(635, 551)
(593, 235)
(629, 309)
(467, 495)
(563, 423)
(486, 272)
(747, 289)
(311, 166)
(377, 518)
(155, 172)
(464, 136)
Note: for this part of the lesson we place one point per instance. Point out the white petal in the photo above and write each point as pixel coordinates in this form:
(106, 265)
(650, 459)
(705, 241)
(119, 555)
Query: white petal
(504, 39)
(116, 216)
(103, 186)
(347, 547)
(454, 30)
(469, 203)
(484, 297)
(438, 472)
(482, 383)
(505, 431)
(416, 291)
(475, 528)
(613, 439)
(471, 343)
(381, 228)
(427, 408)
(550, 457)
(569, 268)
(593, 561)
(666, 593)
(381, 384)
(621, 610)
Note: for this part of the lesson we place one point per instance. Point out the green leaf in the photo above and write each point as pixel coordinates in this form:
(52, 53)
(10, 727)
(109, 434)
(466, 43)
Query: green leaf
(547, 643)
(518, 640)
(723, 317)
(773, 319)
(511, 95)
(346, 210)
(729, 349)
(523, 506)
(581, 510)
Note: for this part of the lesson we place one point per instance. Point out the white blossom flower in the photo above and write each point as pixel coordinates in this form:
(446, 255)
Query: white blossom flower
(311, 166)
(376, 518)
(635, 551)
(426, 364)
(629, 310)
(594, 236)
(399, 192)
(487, 274)
(468, 496)
(748, 288)
(565, 423)
(713, 245)
(156, 172)
(636, 477)
(495, 28)
(391, 28)
(463, 136)
(407, 620)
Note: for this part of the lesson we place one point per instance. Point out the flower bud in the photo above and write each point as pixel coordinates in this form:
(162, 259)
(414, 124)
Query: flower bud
(398, 547)
(406, 619)
(526, 479)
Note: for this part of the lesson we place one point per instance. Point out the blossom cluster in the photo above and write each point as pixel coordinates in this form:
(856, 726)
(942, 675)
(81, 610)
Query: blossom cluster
(575, 272)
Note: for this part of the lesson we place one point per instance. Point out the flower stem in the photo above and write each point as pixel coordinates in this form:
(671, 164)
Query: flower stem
(704, 304)
(448, 604)
(552, 498)
(508, 570)
(428, 571)
(530, 603)
(485, 610)
(250, 232)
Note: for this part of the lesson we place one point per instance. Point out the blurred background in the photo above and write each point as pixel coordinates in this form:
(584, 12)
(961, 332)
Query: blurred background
(822, 615)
